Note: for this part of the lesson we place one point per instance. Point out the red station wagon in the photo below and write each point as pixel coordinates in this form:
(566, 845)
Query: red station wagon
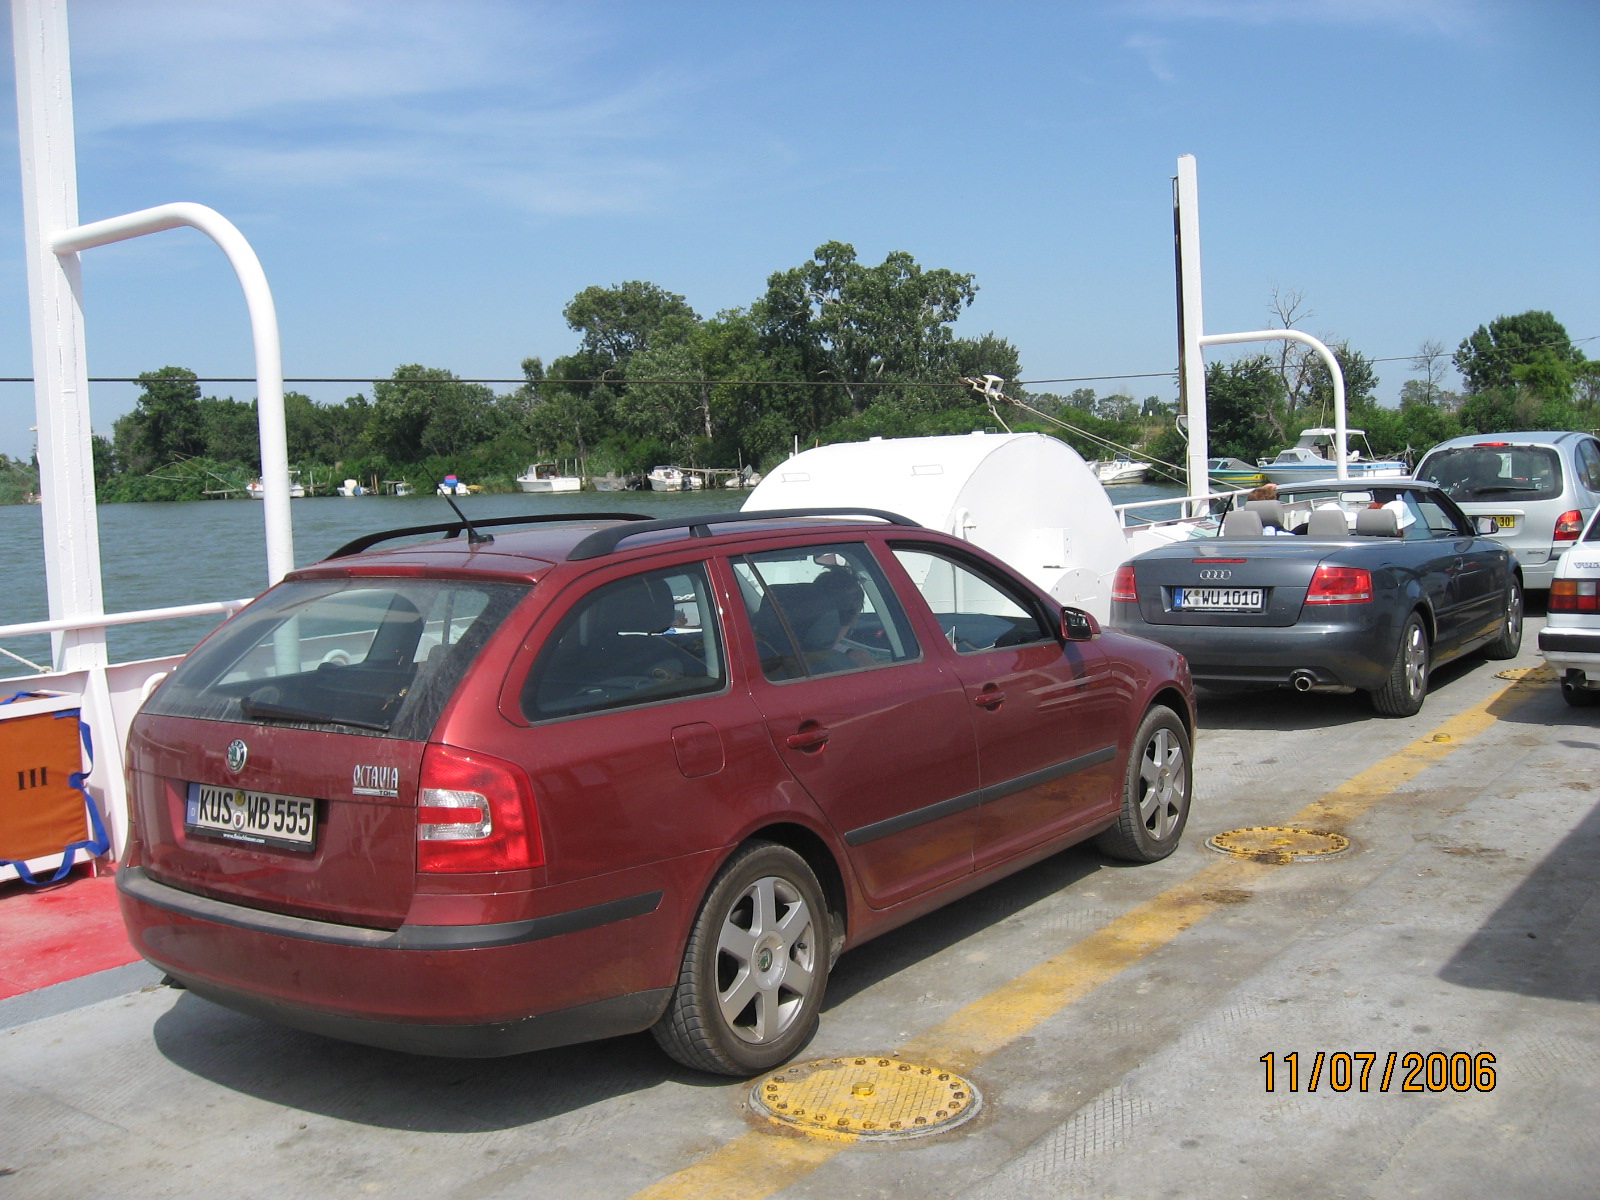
(494, 793)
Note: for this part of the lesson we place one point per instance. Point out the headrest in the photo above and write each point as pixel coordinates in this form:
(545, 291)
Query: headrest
(1270, 511)
(1377, 522)
(1241, 522)
(1327, 523)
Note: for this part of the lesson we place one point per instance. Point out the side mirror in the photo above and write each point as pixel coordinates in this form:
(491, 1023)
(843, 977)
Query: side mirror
(1486, 525)
(1079, 626)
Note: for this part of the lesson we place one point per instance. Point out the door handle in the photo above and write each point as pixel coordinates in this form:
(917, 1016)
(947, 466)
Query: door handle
(813, 738)
(990, 698)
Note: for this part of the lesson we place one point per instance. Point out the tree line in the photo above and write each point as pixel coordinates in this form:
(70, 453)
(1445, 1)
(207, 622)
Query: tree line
(834, 350)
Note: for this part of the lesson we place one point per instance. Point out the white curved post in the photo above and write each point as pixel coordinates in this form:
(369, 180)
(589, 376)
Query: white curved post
(263, 329)
(1332, 363)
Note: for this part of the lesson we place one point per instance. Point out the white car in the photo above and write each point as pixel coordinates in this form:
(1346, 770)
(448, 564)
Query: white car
(1570, 642)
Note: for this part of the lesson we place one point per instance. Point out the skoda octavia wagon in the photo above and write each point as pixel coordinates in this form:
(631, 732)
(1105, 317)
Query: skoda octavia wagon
(590, 775)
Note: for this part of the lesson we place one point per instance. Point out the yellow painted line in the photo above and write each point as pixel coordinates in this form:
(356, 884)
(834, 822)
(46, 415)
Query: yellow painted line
(760, 1163)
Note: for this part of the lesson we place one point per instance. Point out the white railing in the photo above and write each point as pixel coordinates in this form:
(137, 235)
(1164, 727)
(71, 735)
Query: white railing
(1199, 504)
(107, 620)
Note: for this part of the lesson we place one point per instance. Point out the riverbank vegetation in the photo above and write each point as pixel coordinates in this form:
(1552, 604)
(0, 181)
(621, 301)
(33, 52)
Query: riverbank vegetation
(833, 350)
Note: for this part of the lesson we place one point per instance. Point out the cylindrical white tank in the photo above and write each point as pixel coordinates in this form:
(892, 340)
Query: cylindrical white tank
(1028, 499)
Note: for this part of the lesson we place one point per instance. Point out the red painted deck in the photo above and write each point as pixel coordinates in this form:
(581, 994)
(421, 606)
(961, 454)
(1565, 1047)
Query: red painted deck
(53, 934)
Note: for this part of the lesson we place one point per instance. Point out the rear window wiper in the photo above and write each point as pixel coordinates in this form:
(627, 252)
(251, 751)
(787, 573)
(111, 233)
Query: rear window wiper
(267, 710)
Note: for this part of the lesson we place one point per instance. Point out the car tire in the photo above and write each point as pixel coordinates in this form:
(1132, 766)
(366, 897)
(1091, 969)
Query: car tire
(1579, 696)
(755, 967)
(1155, 791)
(1510, 639)
(1407, 686)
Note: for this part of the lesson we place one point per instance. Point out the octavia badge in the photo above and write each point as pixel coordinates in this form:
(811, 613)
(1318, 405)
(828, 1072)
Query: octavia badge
(237, 753)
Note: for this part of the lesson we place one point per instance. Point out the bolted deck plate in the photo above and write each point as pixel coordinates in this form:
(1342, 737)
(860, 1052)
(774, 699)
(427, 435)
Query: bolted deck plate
(1279, 844)
(879, 1099)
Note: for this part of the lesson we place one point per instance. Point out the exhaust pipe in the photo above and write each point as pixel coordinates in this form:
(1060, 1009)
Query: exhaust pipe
(1303, 681)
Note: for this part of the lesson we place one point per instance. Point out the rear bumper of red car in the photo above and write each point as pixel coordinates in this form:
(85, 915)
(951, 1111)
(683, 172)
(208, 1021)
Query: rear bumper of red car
(456, 990)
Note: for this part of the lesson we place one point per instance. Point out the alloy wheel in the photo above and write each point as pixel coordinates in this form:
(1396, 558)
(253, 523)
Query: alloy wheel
(766, 959)
(1161, 784)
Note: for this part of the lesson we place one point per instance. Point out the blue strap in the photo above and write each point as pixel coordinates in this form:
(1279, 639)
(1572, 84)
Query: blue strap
(98, 841)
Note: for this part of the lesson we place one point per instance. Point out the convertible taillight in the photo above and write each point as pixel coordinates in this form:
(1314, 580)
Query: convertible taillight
(1568, 526)
(475, 813)
(1340, 585)
(1574, 595)
(1123, 586)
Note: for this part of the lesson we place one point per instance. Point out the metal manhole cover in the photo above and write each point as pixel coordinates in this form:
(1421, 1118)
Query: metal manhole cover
(1279, 844)
(1539, 674)
(875, 1098)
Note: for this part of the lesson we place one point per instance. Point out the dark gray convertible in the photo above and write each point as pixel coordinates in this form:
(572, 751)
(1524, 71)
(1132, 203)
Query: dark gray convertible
(1334, 586)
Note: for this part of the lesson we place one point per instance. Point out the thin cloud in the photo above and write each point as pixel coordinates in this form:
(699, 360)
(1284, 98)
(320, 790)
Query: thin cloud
(508, 100)
(1438, 18)
(1154, 52)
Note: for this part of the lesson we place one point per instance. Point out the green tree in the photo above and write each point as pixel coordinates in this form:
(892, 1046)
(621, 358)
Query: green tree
(420, 411)
(621, 321)
(855, 325)
(1534, 341)
(166, 422)
(230, 431)
(1241, 399)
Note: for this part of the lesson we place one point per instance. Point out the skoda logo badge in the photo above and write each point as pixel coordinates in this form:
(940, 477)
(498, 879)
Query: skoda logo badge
(237, 753)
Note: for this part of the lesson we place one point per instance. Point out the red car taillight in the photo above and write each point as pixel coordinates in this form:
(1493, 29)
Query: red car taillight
(1123, 587)
(1568, 526)
(1574, 595)
(475, 813)
(1340, 585)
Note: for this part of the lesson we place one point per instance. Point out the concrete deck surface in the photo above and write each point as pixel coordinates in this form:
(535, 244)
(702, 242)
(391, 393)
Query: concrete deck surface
(1466, 918)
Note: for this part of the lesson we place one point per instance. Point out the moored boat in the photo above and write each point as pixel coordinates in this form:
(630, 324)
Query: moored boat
(1119, 470)
(1233, 473)
(547, 477)
(1306, 460)
(668, 478)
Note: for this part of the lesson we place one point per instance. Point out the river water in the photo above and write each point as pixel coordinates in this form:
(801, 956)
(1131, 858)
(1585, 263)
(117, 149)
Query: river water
(161, 555)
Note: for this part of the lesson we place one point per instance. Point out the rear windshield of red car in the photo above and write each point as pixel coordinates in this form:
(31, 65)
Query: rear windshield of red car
(367, 656)
(1491, 474)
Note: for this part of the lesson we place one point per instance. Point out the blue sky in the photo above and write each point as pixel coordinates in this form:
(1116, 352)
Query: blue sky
(432, 182)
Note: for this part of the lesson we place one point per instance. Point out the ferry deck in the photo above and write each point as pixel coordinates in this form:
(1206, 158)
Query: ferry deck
(1117, 1023)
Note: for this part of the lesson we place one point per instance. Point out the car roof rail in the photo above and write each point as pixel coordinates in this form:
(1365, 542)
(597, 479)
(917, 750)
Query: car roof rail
(604, 541)
(456, 528)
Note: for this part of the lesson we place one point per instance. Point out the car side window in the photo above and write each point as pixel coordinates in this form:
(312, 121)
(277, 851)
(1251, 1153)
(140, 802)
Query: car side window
(638, 640)
(1436, 519)
(821, 610)
(976, 611)
(1589, 464)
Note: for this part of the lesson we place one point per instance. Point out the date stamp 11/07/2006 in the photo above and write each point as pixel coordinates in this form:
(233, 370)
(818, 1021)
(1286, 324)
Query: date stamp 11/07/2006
(1354, 1071)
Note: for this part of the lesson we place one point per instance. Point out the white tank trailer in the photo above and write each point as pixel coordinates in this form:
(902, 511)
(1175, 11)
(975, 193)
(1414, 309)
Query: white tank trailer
(1028, 499)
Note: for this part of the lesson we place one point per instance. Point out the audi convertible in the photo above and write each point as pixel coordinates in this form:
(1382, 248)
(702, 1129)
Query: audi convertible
(1336, 586)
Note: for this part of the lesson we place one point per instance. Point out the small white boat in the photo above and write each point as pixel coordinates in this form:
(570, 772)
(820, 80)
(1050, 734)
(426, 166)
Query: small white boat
(396, 487)
(1119, 470)
(673, 479)
(451, 486)
(351, 487)
(257, 490)
(547, 477)
(1311, 457)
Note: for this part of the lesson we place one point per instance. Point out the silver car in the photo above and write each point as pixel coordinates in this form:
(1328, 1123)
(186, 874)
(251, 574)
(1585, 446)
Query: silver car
(1540, 488)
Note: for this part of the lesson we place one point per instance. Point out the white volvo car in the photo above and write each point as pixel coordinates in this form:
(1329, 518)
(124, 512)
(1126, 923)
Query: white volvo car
(1570, 642)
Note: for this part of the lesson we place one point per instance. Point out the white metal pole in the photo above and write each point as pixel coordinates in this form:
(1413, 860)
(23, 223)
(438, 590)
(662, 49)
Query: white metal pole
(263, 328)
(1191, 322)
(1340, 455)
(60, 371)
